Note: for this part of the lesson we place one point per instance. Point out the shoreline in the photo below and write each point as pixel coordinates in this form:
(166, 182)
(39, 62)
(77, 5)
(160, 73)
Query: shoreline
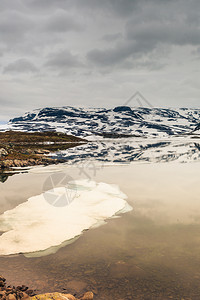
(22, 149)
(23, 292)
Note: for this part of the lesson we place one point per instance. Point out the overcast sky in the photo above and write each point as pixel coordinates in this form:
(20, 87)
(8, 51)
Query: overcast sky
(98, 53)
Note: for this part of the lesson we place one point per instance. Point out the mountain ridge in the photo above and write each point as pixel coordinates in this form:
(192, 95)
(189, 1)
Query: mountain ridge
(119, 121)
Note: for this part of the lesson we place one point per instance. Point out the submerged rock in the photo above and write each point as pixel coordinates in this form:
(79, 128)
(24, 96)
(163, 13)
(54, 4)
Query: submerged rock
(24, 293)
(8, 163)
(14, 293)
(3, 177)
(87, 296)
(60, 296)
(3, 152)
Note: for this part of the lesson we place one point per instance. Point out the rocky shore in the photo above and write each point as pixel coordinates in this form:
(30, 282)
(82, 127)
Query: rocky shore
(33, 157)
(23, 149)
(14, 293)
(24, 293)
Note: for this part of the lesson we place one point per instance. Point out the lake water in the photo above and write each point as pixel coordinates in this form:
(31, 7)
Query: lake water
(151, 252)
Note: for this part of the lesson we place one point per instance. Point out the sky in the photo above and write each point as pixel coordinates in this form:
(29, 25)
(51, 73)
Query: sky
(98, 53)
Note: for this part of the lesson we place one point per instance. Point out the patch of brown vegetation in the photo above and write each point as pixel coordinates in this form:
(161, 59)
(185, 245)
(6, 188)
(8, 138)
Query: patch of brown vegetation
(36, 137)
(22, 149)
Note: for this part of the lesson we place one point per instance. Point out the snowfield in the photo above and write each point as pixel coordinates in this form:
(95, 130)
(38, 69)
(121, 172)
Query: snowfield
(94, 122)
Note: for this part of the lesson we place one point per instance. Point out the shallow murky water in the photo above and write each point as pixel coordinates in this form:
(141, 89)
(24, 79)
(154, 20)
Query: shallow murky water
(152, 252)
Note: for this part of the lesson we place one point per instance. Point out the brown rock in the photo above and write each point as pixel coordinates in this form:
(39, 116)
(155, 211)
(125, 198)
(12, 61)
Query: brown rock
(17, 163)
(38, 151)
(3, 152)
(52, 296)
(45, 151)
(32, 161)
(24, 163)
(2, 278)
(41, 151)
(87, 296)
(70, 297)
(7, 163)
(25, 296)
(11, 297)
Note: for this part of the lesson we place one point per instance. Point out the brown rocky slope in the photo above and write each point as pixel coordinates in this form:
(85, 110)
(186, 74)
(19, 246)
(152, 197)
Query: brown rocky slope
(23, 149)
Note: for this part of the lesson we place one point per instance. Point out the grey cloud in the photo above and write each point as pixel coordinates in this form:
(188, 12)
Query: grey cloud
(20, 66)
(196, 53)
(9, 107)
(10, 4)
(150, 64)
(62, 22)
(62, 60)
(105, 36)
(120, 53)
(42, 6)
(112, 37)
(24, 30)
(14, 26)
(167, 33)
(126, 57)
(151, 28)
(4, 102)
(119, 7)
(122, 8)
(110, 56)
(1, 52)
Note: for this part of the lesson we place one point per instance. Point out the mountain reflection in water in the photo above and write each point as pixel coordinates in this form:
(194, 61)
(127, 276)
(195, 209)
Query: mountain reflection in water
(128, 151)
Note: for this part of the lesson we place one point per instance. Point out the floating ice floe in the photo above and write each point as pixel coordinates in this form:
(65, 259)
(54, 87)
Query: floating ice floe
(36, 225)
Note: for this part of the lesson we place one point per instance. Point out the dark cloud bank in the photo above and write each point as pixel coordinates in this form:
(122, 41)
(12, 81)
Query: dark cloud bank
(94, 53)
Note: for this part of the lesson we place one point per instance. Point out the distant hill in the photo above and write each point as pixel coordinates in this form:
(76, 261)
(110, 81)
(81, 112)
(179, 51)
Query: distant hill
(122, 120)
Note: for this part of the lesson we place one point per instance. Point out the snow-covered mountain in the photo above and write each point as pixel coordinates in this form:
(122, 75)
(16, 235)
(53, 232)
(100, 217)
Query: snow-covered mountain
(122, 120)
